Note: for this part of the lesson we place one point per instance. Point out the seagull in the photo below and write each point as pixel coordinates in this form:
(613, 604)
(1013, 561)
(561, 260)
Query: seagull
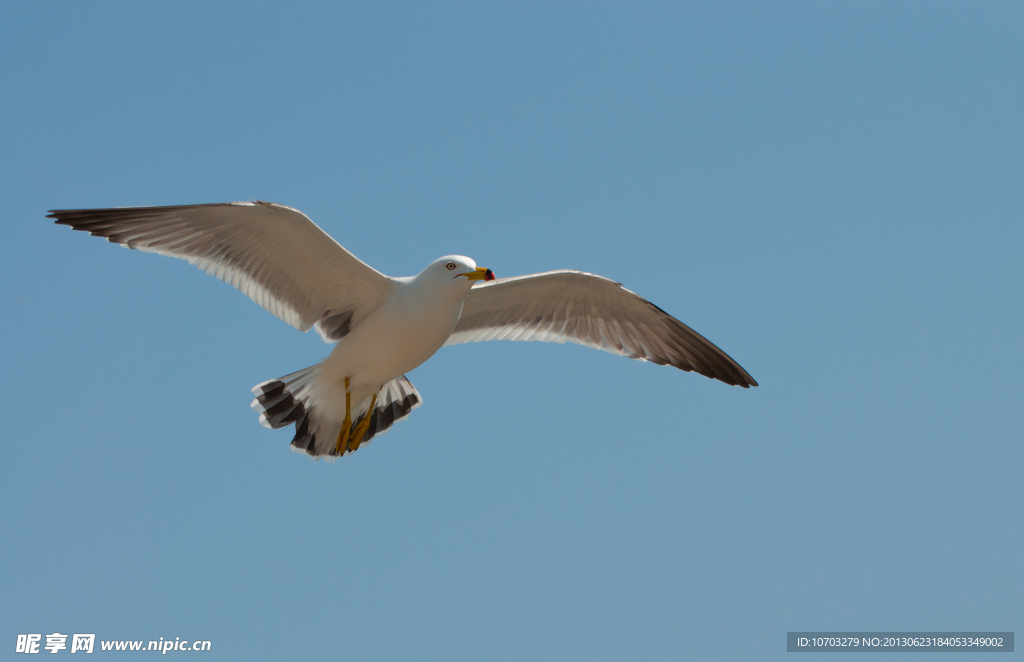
(384, 327)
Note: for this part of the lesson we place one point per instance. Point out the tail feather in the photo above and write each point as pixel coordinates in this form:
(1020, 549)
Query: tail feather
(287, 400)
(395, 402)
(283, 401)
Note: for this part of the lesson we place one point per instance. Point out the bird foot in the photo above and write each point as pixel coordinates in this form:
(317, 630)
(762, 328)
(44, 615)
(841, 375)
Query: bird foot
(346, 427)
(357, 436)
(350, 439)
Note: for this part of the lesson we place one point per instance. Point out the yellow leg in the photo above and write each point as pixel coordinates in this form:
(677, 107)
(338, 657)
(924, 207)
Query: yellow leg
(346, 426)
(357, 436)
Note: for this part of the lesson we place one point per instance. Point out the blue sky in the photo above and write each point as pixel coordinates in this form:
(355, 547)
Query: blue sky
(831, 192)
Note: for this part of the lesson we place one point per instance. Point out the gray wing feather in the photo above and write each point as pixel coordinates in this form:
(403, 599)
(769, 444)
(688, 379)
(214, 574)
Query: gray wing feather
(581, 308)
(273, 254)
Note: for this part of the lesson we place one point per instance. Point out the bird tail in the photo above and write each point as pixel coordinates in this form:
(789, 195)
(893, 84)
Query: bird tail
(289, 399)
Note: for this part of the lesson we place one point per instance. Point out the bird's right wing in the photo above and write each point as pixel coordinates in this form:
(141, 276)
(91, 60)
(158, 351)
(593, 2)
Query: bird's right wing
(581, 308)
(273, 254)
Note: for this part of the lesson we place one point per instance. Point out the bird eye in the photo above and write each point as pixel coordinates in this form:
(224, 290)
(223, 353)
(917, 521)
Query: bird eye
(450, 266)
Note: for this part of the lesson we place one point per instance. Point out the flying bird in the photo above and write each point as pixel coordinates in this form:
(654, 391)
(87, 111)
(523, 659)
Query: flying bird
(384, 326)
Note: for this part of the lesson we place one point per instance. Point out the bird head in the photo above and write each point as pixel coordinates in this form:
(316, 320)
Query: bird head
(459, 269)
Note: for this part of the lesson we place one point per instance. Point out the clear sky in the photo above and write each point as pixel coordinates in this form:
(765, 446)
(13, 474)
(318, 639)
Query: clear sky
(831, 192)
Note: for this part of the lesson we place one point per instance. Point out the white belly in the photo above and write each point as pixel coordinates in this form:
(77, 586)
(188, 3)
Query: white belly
(400, 335)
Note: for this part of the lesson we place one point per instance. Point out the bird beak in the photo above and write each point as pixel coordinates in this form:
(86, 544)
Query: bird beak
(479, 274)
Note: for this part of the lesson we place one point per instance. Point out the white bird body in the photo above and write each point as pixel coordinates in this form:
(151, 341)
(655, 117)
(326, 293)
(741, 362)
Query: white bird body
(385, 327)
(407, 329)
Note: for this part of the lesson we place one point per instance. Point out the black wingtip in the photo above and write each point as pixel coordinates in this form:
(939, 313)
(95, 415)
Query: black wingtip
(62, 216)
(746, 380)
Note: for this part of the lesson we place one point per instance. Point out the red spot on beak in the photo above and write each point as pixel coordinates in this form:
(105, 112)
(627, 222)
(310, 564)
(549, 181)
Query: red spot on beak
(489, 275)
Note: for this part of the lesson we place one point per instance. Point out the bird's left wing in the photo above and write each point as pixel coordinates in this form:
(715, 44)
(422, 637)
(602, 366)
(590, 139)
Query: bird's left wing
(577, 307)
(273, 254)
